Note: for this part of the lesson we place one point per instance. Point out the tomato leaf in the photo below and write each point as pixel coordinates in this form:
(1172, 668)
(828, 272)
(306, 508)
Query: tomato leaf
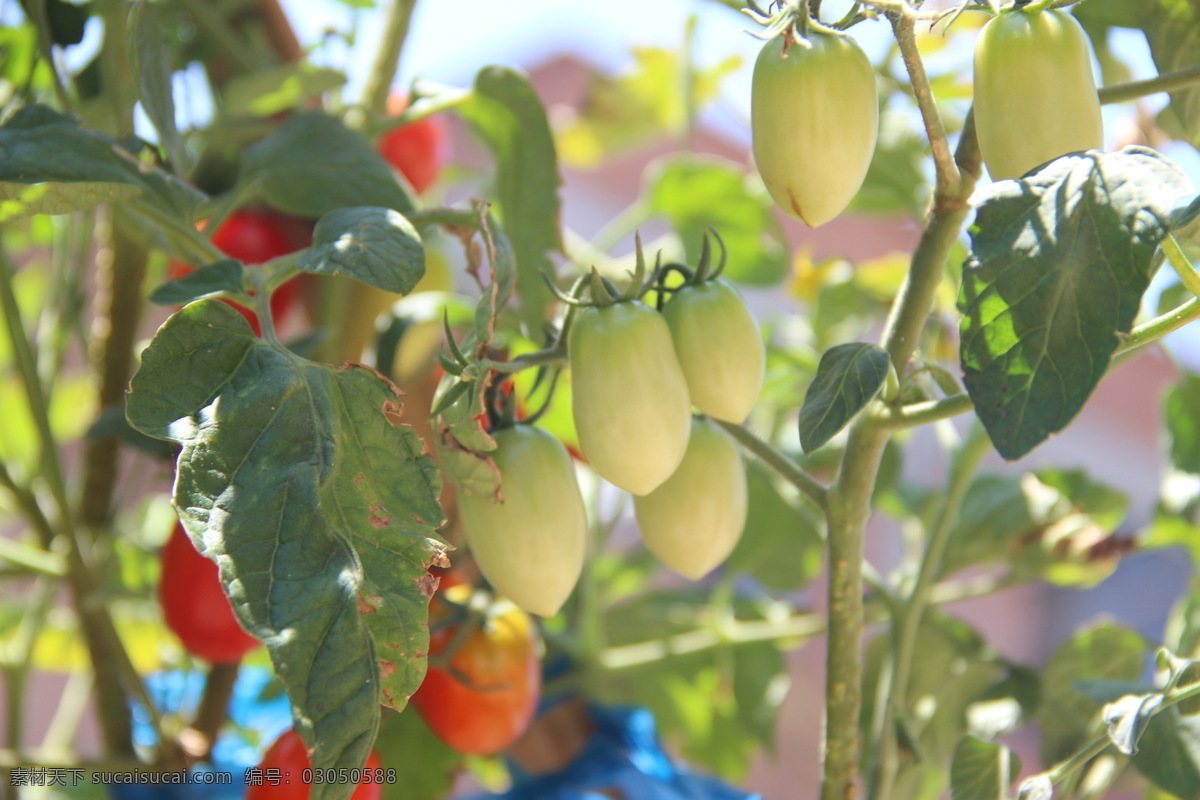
(377, 246)
(1060, 260)
(982, 770)
(72, 169)
(781, 545)
(277, 89)
(847, 378)
(313, 165)
(506, 112)
(1126, 719)
(1105, 651)
(698, 192)
(150, 62)
(318, 506)
(211, 279)
(997, 513)
(1182, 412)
(1172, 29)
(425, 768)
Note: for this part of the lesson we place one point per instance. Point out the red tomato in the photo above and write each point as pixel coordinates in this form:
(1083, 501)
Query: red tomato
(418, 150)
(195, 606)
(499, 663)
(290, 757)
(255, 236)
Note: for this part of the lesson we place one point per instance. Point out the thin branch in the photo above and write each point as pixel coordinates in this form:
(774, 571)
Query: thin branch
(904, 27)
(915, 414)
(387, 57)
(1167, 82)
(792, 472)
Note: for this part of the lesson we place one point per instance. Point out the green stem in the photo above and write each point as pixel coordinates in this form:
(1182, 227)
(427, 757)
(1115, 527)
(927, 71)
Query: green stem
(99, 633)
(31, 558)
(621, 226)
(1160, 326)
(1182, 265)
(781, 463)
(455, 217)
(895, 696)
(556, 355)
(387, 57)
(923, 413)
(1167, 82)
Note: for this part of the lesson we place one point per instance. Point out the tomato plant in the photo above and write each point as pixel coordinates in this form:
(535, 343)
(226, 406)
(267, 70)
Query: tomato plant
(195, 606)
(287, 762)
(530, 540)
(1035, 66)
(815, 122)
(469, 320)
(484, 695)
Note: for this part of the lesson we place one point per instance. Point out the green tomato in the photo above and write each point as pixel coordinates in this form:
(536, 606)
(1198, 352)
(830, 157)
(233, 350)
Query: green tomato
(814, 118)
(628, 395)
(719, 348)
(692, 522)
(530, 545)
(1035, 97)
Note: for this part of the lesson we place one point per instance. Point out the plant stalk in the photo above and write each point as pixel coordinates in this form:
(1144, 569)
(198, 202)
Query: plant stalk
(792, 472)
(387, 57)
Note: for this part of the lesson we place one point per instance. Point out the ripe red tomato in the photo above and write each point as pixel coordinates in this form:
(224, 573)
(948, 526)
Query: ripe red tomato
(195, 606)
(499, 662)
(289, 755)
(418, 150)
(255, 236)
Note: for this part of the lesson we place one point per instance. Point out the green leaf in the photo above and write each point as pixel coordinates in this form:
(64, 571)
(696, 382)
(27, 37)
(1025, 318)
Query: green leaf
(1104, 505)
(50, 165)
(425, 768)
(287, 86)
(377, 246)
(150, 62)
(781, 545)
(982, 770)
(895, 182)
(847, 378)
(695, 193)
(1181, 412)
(312, 165)
(1059, 262)
(1169, 755)
(997, 513)
(1126, 719)
(1104, 651)
(1172, 29)
(223, 276)
(319, 508)
(507, 113)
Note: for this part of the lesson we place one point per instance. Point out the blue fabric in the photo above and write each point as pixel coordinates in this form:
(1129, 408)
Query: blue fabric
(233, 753)
(623, 759)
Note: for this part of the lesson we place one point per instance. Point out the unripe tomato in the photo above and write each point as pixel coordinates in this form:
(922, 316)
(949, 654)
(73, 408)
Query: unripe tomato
(255, 236)
(532, 543)
(487, 697)
(719, 348)
(289, 755)
(628, 395)
(1035, 97)
(814, 119)
(419, 150)
(692, 522)
(194, 604)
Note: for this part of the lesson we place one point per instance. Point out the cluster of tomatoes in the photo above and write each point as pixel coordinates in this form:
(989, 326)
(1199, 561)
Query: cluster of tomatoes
(815, 115)
(636, 374)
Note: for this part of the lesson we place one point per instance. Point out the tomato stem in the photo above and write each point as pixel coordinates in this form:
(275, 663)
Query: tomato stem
(780, 462)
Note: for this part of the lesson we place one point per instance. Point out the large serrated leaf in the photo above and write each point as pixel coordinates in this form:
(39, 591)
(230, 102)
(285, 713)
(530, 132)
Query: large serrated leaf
(699, 192)
(313, 164)
(1060, 260)
(318, 506)
(72, 169)
(377, 246)
(847, 378)
(982, 770)
(507, 113)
